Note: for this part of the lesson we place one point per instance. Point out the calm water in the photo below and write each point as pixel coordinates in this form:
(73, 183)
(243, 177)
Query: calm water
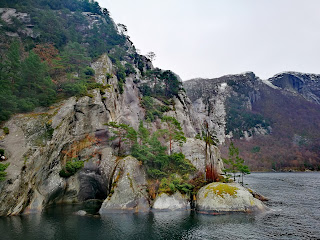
(294, 214)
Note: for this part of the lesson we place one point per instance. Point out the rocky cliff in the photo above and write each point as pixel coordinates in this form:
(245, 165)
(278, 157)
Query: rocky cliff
(307, 85)
(40, 144)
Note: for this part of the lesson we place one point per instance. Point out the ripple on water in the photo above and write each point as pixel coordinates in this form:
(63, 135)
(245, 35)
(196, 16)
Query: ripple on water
(294, 214)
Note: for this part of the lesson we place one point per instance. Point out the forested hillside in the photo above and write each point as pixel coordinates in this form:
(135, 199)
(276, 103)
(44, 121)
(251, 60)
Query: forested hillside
(46, 48)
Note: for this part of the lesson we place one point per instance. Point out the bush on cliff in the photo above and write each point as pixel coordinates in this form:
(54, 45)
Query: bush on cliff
(71, 168)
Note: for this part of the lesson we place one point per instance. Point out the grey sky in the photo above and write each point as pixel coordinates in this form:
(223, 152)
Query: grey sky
(211, 38)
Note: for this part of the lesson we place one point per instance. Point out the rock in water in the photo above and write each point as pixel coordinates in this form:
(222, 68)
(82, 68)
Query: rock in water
(226, 197)
(177, 201)
(80, 213)
(129, 191)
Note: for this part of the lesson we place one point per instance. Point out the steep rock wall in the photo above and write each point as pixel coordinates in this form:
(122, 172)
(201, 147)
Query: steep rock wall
(39, 144)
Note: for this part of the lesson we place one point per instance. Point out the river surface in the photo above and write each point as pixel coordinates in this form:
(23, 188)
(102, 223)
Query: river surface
(294, 214)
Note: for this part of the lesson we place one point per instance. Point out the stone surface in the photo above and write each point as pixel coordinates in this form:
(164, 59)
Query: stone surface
(177, 201)
(226, 197)
(129, 190)
(194, 150)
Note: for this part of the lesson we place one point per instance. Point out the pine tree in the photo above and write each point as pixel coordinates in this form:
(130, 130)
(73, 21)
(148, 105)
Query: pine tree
(173, 132)
(235, 163)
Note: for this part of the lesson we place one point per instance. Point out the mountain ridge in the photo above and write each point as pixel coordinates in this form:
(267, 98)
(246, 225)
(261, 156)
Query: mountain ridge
(276, 114)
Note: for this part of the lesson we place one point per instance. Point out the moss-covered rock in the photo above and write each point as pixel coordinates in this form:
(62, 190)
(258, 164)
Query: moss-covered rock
(226, 197)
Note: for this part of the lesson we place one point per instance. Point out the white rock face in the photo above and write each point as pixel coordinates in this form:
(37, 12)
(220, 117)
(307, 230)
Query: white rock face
(177, 201)
(226, 197)
(208, 102)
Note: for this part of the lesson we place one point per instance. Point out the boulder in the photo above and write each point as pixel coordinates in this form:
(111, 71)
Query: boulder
(177, 201)
(217, 197)
(129, 188)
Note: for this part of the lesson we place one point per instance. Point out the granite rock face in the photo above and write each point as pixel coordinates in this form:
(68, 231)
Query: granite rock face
(129, 190)
(194, 150)
(165, 202)
(216, 198)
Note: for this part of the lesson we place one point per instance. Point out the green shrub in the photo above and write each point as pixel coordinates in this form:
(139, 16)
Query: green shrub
(6, 130)
(1, 151)
(89, 71)
(71, 168)
(109, 75)
(155, 173)
(3, 174)
(255, 149)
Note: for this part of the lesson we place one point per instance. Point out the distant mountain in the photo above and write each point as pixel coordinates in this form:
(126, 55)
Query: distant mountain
(275, 122)
(308, 85)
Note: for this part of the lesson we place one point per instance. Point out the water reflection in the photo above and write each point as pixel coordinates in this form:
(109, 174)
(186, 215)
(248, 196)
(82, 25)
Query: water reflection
(288, 201)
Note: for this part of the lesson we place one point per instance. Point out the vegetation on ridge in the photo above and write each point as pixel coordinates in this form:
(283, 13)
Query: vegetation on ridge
(53, 62)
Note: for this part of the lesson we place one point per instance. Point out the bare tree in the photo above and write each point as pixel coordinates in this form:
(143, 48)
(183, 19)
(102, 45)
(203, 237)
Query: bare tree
(151, 56)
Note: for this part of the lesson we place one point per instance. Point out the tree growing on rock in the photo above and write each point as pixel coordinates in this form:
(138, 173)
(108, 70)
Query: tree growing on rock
(124, 133)
(235, 163)
(151, 56)
(173, 132)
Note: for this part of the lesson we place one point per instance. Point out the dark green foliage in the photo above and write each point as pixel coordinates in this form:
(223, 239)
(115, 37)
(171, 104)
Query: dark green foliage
(156, 173)
(74, 57)
(24, 84)
(152, 154)
(255, 149)
(173, 183)
(235, 163)
(49, 131)
(153, 110)
(145, 90)
(166, 84)
(129, 69)
(26, 81)
(240, 119)
(1, 152)
(6, 130)
(149, 150)
(3, 167)
(108, 76)
(71, 168)
(89, 71)
(124, 133)
(172, 84)
(173, 132)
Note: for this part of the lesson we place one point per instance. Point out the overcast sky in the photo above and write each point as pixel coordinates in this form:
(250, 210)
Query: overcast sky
(211, 38)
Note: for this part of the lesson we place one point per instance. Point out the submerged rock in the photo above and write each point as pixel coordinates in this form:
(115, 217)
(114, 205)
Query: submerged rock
(226, 197)
(177, 201)
(81, 213)
(129, 188)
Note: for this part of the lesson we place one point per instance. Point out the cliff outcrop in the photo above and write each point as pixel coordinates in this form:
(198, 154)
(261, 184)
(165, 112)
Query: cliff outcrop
(41, 143)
